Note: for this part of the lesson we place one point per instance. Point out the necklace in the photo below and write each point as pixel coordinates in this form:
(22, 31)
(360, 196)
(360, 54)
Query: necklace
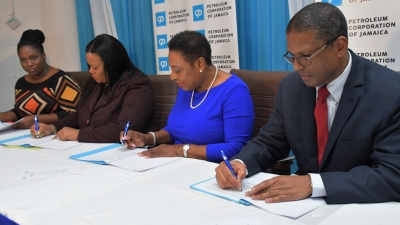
(191, 100)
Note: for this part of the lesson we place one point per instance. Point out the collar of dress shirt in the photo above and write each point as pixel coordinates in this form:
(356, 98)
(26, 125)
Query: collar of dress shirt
(335, 87)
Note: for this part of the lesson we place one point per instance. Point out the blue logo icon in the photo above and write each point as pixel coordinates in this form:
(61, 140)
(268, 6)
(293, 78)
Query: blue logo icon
(162, 41)
(198, 12)
(158, 1)
(161, 19)
(333, 2)
(163, 64)
(203, 32)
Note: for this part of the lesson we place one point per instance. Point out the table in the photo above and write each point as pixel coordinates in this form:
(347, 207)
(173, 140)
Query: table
(103, 194)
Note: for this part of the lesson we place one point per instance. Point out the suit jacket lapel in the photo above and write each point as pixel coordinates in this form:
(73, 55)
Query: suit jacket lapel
(346, 106)
(308, 126)
(347, 103)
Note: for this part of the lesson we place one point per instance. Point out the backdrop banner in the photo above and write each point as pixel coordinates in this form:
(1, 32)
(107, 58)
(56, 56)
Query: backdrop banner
(372, 29)
(216, 20)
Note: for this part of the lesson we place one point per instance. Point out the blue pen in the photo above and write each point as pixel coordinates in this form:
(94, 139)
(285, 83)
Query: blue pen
(36, 126)
(229, 165)
(126, 131)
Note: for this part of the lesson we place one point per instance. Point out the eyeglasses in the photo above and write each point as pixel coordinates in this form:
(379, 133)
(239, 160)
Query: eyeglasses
(306, 60)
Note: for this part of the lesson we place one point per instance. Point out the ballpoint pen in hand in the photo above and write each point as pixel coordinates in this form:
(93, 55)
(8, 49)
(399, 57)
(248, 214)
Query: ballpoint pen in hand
(36, 126)
(229, 165)
(125, 131)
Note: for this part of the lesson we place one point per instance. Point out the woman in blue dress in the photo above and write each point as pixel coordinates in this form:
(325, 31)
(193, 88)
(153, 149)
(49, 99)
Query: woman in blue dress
(213, 110)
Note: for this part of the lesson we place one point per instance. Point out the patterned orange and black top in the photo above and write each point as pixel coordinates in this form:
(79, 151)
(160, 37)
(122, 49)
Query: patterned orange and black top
(59, 94)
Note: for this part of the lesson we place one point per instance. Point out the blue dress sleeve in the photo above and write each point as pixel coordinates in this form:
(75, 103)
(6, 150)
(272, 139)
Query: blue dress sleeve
(171, 137)
(238, 120)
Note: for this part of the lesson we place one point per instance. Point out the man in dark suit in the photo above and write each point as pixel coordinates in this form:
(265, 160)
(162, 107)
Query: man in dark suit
(339, 113)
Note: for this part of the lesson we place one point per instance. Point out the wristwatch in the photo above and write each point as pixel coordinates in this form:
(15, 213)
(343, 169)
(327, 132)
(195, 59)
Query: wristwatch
(185, 150)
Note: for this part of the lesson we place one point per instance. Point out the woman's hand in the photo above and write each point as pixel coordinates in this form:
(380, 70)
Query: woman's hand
(133, 139)
(162, 151)
(44, 130)
(67, 134)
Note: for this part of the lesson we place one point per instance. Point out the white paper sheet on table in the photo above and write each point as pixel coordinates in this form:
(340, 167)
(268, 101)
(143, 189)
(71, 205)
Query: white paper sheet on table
(139, 163)
(7, 126)
(47, 142)
(13, 134)
(28, 139)
(104, 154)
(10, 133)
(120, 156)
(57, 144)
(293, 209)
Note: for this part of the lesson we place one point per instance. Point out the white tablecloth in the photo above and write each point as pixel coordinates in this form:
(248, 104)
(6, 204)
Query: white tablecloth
(103, 194)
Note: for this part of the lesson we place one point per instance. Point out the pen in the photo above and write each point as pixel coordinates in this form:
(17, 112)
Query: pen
(125, 131)
(229, 165)
(36, 126)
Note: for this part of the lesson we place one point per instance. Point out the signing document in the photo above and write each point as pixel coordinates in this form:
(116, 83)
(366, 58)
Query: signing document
(291, 209)
(120, 156)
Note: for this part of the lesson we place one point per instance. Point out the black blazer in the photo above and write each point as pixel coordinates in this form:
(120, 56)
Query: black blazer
(361, 162)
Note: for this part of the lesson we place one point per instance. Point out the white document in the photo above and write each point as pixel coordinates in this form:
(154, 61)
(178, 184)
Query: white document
(29, 140)
(115, 152)
(6, 126)
(50, 172)
(139, 163)
(120, 156)
(57, 144)
(47, 142)
(291, 209)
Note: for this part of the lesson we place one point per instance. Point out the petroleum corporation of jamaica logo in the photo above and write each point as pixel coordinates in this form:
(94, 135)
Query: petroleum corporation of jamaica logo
(163, 64)
(334, 2)
(162, 41)
(161, 19)
(158, 1)
(198, 13)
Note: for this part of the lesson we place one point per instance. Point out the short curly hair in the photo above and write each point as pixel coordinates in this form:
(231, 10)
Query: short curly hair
(192, 45)
(324, 19)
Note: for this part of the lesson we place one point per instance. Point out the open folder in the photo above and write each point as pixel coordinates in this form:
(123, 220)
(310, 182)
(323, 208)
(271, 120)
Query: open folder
(48, 142)
(120, 156)
(291, 209)
(211, 189)
(105, 154)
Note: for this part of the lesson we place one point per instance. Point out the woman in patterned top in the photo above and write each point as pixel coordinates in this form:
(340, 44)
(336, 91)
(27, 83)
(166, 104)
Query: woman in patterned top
(45, 91)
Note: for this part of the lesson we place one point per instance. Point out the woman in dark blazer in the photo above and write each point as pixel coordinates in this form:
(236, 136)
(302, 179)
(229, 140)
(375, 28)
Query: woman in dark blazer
(116, 93)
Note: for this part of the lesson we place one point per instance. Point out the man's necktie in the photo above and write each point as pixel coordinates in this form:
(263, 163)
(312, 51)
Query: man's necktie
(321, 118)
